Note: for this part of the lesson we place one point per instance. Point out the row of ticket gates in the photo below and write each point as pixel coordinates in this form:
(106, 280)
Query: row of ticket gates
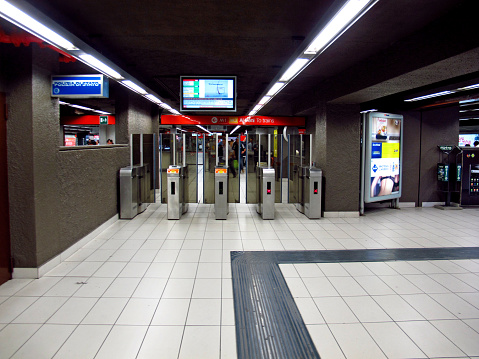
(135, 194)
(309, 182)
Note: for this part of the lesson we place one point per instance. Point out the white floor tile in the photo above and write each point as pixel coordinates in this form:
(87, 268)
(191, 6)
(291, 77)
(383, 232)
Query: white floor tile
(456, 305)
(366, 309)
(110, 269)
(159, 270)
(45, 342)
(204, 312)
(335, 310)
(228, 342)
(178, 288)
(133, 269)
(430, 340)
(355, 341)
(397, 308)
(207, 288)
(94, 287)
(84, 342)
(122, 342)
(38, 287)
(73, 311)
(106, 311)
(460, 334)
(200, 342)
(393, 341)
(161, 341)
(428, 307)
(40, 311)
(13, 336)
(374, 285)
(347, 286)
(13, 307)
(309, 311)
(150, 288)
(138, 311)
(122, 287)
(325, 343)
(209, 270)
(171, 312)
(184, 270)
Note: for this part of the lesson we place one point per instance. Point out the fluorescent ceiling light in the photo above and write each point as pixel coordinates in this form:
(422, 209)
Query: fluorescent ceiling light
(204, 129)
(437, 94)
(468, 87)
(234, 129)
(264, 100)
(11, 13)
(165, 106)
(371, 110)
(133, 86)
(97, 64)
(257, 108)
(470, 118)
(102, 112)
(252, 113)
(340, 21)
(153, 98)
(295, 67)
(81, 107)
(174, 111)
(276, 87)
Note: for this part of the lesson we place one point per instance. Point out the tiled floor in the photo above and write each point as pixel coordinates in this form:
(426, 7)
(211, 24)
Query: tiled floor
(150, 287)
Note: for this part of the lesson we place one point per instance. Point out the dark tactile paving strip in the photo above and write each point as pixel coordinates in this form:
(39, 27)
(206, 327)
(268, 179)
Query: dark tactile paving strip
(268, 322)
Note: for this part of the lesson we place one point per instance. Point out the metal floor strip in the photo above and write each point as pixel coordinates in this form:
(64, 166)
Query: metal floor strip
(268, 322)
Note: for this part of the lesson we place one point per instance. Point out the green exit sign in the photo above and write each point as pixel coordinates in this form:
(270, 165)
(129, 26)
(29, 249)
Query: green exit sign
(103, 120)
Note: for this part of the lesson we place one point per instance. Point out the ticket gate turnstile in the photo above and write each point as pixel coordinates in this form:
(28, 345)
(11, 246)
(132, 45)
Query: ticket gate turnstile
(265, 192)
(221, 192)
(129, 192)
(177, 178)
(310, 179)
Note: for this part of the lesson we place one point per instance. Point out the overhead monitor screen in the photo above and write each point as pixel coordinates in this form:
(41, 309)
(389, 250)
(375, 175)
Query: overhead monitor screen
(383, 159)
(208, 94)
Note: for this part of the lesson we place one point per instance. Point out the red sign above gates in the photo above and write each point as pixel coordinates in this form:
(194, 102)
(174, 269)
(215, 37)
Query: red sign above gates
(233, 120)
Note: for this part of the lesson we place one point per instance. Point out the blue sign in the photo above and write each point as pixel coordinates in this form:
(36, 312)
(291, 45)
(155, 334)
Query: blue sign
(375, 168)
(80, 86)
(376, 150)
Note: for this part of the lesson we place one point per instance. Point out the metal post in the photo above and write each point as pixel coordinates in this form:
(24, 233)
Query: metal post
(300, 150)
(131, 150)
(141, 149)
(173, 137)
(225, 151)
(217, 145)
(269, 150)
(363, 164)
(184, 150)
(310, 150)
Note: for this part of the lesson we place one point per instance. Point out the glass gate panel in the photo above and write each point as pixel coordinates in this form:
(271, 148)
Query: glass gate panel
(166, 159)
(234, 169)
(191, 164)
(209, 159)
(252, 161)
(294, 144)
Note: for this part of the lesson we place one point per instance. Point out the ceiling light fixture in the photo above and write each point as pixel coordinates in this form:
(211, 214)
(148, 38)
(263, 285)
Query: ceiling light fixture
(26, 22)
(344, 18)
(153, 98)
(234, 129)
(349, 13)
(264, 100)
(295, 68)
(133, 86)
(100, 66)
(204, 129)
(437, 94)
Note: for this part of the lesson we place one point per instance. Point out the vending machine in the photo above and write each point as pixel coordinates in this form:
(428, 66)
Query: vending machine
(470, 177)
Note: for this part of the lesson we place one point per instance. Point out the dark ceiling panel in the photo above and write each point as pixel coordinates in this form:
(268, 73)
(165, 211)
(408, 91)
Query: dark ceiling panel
(157, 41)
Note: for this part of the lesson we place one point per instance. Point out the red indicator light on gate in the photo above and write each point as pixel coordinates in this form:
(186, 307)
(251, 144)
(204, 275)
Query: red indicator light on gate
(315, 191)
(268, 191)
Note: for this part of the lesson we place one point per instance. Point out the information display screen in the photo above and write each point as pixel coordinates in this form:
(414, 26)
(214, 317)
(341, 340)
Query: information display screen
(383, 157)
(215, 93)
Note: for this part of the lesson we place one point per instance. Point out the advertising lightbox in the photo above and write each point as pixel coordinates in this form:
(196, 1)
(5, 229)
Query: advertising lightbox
(208, 93)
(383, 162)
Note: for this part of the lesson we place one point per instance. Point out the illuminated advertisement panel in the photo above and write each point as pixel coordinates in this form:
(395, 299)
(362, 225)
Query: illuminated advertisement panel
(383, 157)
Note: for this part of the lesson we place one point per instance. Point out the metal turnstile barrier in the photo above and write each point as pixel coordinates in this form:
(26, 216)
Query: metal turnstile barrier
(177, 178)
(265, 192)
(310, 192)
(129, 194)
(221, 192)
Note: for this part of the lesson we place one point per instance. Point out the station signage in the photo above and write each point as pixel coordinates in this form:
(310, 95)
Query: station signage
(80, 86)
(88, 120)
(232, 120)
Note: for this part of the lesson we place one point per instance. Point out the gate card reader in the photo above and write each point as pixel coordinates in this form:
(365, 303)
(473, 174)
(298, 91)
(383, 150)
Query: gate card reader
(221, 192)
(176, 192)
(310, 192)
(266, 192)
